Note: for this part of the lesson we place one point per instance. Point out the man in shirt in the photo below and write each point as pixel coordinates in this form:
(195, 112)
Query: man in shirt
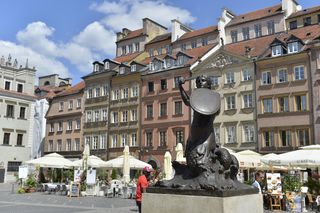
(142, 185)
(258, 180)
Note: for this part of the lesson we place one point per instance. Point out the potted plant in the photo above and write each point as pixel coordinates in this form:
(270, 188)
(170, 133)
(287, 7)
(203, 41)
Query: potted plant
(30, 184)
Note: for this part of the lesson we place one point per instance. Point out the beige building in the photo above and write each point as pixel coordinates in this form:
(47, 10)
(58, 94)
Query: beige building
(303, 18)
(64, 123)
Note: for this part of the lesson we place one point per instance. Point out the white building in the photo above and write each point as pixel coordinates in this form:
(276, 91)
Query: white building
(16, 116)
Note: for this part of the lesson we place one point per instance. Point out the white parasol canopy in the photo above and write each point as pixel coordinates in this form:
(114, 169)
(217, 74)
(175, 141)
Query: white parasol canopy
(92, 161)
(248, 159)
(179, 153)
(167, 166)
(53, 160)
(134, 163)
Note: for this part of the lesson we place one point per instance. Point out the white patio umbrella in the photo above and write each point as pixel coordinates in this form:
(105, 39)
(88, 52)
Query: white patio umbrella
(126, 165)
(52, 160)
(92, 161)
(179, 153)
(248, 159)
(134, 163)
(167, 166)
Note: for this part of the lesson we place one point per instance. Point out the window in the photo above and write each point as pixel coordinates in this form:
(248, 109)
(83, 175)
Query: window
(95, 142)
(52, 127)
(88, 140)
(59, 145)
(10, 111)
(204, 41)
(61, 106)
(13, 166)
(163, 109)
(69, 126)
(50, 146)
(168, 49)
(102, 144)
(285, 137)
(257, 30)
(303, 137)
(114, 117)
(180, 60)
(89, 117)
(301, 102)
(150, 86)
(176, 81)
(106, 65)
(105, 90)
(245, 33)
(125, 93)
(293, 25)
(163, 84)
(124, 140)
(248, 133)
(266, 78)
(7, 85)
(214, 80)
(179, 137)
(96, 68)
(231, 102)
(151, 52)
(78, 123)
(194, 44)
(125, 116)
(307, 21)
(283, 104)
(134, 91)
(60, 127)
(149, 138)
(276, 50)
(299, 72)
(77, 144)
(270, 27)
(133, 115)
(183, 47)
(246, 74)
(90, 93)
(268, 137)
(6, 138)
(97, 92)
(247, 100)
(178, 107)
(19, 87)
(133, 67)
(159, 50)
(133, 139)
(163, 138)
(231, 134)
(22, 114)
(130, 48)
(149, 111)
(97, 115)
(68, 145)
(114, 141)
(234, 36)
(78, 103)
(116, 94)
(124, 50)
(282, 75)
(70, 104)
(104, 115)
(229, 77)
(267, 105)
(122, 70)
(293, 47)
(216, 130)
(318, 18)
(137, 47)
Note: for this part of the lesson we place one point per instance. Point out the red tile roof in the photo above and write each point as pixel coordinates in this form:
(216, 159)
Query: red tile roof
(258, 14)
(73, 90)
(305, 12)
(17, 94)
(198, 32)
(126, 58)
(132, 34)
(159, 38)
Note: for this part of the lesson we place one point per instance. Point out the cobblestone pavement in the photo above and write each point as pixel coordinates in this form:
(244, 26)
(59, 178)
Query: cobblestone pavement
(39, 202)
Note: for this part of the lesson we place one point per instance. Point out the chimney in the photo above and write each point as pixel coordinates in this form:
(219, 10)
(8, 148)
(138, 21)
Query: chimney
(225, 18)
(125, 31)
(119, 36)
(178, 29)
(289, 7)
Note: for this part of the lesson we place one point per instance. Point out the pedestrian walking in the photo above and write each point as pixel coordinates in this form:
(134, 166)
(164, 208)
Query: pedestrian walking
(142, 185)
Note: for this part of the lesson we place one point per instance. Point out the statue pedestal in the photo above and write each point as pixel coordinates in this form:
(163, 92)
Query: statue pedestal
(181, 203)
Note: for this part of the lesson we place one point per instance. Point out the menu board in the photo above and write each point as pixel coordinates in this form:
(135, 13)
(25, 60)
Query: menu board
(23, 171)
(91, 176)
(77, 176)
(274, 183)
(74, 190)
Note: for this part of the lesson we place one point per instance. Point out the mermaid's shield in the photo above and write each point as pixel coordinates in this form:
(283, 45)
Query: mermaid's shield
(205, 101)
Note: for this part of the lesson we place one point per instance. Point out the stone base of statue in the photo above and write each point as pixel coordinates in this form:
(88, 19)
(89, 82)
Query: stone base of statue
(160, 200)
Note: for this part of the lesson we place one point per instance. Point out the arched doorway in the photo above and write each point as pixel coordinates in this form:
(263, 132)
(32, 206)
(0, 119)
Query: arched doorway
(153, 164)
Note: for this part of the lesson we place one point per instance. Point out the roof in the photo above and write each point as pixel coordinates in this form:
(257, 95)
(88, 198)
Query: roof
(132, 34)
(159, 38)
(73, 90)
(305, 12)
(126, 58)
(51, 91)
(198, 32)
(258, 14)
(15, 94)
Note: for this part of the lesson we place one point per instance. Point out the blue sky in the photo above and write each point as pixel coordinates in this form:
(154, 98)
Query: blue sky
(66, 36)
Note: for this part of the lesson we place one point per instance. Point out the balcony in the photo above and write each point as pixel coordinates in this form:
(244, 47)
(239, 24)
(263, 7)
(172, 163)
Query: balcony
(96, 124)
(97, 100)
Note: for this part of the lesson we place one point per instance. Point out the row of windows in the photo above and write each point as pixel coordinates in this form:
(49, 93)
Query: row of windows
(231, 133)
(247, 101)
(8, 135)
(10, 111)
(282, 75)
(195, 43)
(179, 138)
(70, 145)
(96, 115)
(292, 47)
(257, 30)
(285, 137)
(124, 116)
(8, 85)
(160, 50)
(168, 62)
(164, 84)
(123, 93)
(163, 109)
(69, 126)
(70, 104)
(229, 77)
(128, 49)
(123, 140)
(282, 103)
(97, 92)
(306, 22)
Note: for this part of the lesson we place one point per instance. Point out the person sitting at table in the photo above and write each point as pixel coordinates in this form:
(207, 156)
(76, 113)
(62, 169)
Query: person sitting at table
(142, 185)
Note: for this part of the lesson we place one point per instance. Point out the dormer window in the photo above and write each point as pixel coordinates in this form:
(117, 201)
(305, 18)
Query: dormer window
(133, 68)
(180, 60)
(276, 50)
(106, 65)
(122, 70)
(293, 47)
(96, 68)
(124, 50)
(168, 62)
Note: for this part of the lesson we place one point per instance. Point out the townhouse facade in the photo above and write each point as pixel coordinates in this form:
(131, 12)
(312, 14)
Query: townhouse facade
(16, 116)
(64, 126)
(303, 18)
